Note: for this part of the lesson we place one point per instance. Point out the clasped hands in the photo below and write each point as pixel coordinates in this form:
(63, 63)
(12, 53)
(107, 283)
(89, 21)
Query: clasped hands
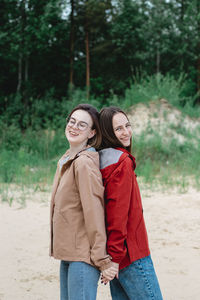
(110, 273)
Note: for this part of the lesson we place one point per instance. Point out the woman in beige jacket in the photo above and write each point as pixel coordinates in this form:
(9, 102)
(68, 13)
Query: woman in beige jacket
(78, 236)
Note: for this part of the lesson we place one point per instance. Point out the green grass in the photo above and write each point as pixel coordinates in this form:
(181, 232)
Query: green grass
(32, 158)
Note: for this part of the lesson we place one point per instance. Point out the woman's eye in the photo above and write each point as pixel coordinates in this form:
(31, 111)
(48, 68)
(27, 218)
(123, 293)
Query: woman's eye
(82, 125)
(118, 129)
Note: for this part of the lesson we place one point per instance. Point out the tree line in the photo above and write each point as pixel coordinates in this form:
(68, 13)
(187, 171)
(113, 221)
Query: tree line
(101, 46)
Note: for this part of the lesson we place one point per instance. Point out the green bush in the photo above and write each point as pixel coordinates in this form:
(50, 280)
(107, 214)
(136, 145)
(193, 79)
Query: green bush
(10, 136)
(32, 156)
(157, 87)
(167, 162)
(49, 111)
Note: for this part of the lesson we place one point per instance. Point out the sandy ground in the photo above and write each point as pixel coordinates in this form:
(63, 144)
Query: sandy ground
(173, 223)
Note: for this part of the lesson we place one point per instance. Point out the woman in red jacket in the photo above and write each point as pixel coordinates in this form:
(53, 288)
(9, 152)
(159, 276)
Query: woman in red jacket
(127, 241)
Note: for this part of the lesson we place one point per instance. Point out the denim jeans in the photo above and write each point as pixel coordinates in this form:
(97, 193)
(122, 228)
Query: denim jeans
(138, 281)
(78, 281)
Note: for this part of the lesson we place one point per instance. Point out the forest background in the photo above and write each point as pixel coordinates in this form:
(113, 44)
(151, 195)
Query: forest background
(55, 54)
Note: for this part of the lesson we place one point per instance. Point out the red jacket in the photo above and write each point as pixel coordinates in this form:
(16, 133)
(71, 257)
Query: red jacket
(126, 233)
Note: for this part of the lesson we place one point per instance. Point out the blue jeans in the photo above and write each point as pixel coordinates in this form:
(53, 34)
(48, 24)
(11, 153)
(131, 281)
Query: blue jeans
(78, 281)
(138, 281)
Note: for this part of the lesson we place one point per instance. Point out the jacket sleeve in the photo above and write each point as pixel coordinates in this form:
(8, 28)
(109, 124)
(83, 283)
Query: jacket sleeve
(118, 196)
(91, 190)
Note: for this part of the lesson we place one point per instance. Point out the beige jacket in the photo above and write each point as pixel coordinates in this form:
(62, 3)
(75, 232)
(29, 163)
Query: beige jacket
(77, 212)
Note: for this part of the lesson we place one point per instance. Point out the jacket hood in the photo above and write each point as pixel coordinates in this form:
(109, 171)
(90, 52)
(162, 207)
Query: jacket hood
(88, 151)
(111, 158)
(129, 154)
(91, 153)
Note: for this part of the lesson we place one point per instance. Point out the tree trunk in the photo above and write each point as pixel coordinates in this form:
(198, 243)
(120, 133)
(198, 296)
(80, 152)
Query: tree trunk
(22, 9)
(198, 77)
(182, 9)
(71, 72)
(19, 84)
(198, 60)
(87, 63)
(26, 69)
(158, 60)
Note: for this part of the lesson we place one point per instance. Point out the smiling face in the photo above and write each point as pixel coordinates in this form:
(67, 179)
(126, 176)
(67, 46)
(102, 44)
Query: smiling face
(79, 128)
(122, 129)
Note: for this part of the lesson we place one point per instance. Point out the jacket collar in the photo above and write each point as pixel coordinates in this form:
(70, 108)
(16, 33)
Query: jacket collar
(77, 154)
(129, 154)
(71, 159)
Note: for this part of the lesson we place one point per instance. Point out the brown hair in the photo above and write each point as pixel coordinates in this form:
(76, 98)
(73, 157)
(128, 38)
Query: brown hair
(109, 138)
(95, 141)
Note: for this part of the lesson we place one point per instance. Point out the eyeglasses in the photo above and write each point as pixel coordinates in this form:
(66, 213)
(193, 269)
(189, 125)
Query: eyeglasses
(81, 125)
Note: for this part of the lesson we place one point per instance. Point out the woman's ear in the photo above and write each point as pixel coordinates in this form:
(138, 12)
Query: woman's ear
(92, 133)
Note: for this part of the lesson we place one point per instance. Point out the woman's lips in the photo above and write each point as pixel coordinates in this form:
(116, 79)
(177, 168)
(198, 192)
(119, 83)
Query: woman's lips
(73, 133)
(125, 139)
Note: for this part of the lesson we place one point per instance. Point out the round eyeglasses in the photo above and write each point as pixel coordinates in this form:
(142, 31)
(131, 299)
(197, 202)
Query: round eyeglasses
(81, 125)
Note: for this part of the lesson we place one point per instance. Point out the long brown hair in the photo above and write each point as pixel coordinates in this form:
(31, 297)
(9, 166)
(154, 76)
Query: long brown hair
(95, 141)
(109, 139)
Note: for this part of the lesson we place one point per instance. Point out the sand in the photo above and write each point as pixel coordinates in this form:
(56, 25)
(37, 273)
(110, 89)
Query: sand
(173, 224)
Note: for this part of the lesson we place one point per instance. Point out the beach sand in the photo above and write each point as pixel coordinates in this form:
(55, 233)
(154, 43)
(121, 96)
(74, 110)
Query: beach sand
(173, 225)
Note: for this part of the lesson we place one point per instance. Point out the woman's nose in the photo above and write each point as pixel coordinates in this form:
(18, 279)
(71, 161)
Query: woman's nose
(125, 131)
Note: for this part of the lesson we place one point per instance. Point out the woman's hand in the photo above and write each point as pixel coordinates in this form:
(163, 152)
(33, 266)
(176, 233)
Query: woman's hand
(110, 273)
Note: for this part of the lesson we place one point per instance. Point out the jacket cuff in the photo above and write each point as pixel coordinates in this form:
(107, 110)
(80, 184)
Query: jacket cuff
(107, 263)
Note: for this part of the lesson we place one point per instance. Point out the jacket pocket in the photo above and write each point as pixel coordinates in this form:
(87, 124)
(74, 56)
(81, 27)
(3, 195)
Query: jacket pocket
(63, 236)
